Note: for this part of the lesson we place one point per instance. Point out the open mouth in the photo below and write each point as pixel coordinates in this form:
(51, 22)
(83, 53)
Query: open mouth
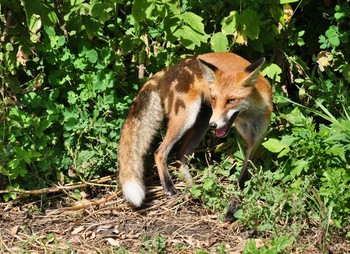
(223, 131)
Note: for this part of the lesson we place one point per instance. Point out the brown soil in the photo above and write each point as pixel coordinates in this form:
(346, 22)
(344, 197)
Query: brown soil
(87, 227)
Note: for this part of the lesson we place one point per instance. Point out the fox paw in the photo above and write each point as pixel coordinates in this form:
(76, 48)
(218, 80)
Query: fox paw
(170, 191)
(232, 209)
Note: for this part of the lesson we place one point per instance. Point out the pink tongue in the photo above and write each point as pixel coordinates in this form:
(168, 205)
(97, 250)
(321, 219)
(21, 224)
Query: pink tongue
(221, 132)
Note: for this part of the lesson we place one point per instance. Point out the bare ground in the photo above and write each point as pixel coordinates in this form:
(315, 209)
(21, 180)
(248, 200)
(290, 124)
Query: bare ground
(106, 223)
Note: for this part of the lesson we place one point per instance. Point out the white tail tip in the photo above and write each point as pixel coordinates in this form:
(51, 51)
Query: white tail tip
(134, 192)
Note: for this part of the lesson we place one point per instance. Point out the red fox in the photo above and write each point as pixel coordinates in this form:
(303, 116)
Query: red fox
(215, 90)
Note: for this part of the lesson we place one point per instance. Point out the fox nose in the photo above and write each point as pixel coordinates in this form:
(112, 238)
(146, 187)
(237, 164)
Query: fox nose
(213, 126)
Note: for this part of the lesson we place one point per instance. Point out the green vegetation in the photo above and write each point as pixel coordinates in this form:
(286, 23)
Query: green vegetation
(69, 70)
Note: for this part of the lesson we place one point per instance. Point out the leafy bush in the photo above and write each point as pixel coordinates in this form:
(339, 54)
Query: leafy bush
(65, 120)
(70, 69)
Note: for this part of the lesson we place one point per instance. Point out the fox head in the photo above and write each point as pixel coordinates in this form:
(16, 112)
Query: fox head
(231, 93)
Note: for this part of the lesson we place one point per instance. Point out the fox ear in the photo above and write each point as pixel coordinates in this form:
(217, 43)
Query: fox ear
(208, 71)
(253, 70)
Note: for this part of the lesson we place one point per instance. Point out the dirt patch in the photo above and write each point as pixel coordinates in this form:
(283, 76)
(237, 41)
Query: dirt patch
(180, 224)
(184, 224)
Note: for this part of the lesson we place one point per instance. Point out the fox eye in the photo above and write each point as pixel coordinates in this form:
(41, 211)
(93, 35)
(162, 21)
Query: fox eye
(231, 101)
(212, 98)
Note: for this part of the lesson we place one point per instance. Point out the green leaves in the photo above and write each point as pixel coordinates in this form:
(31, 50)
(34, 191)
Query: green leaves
(333, 38)
(102, 10)
(219, 42)
(242, 25)
(230, 23)
(39, 10)
(188, 28)
(60, 115)
(276, 245)
(210, 190)
(142, 9)
(92, 56)
(250, 23)
(282, 147)
(273, 72)
(193, 21)
(55, 41)
(321, 153)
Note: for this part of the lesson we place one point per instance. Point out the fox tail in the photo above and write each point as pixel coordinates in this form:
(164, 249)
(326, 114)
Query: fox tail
(144, 118)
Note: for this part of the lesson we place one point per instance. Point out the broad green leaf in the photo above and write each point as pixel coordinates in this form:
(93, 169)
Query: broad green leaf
(173, 7)
(300, 166)
(170, 26)
(72, 97)
(282, 242)
(339, 15)
(80, 63)
(142, 9)
(196, 191)
(272, 71)
(9, 47)
(334, 41)
(333, 36)
(219, 42)
(250, 22)
(40, 8)
(296, 117)
(337, 150)
(193, 20)
(92, 56)
(13, 164)
(277, 13)
(52, 17)
(208, 184)
(100, 85)
(61, 40)
(50, 31)
(101, 11)
(4, 171)
(91, 26)
(128, 43)
(274, 145)
(189, 38)
(284, 152)
(229, 24)
(35, 23)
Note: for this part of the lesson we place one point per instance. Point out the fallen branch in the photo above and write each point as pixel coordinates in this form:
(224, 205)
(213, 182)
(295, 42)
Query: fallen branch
(71, 186)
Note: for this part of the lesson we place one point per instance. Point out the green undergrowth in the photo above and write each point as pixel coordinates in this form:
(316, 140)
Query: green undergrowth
(305, 187)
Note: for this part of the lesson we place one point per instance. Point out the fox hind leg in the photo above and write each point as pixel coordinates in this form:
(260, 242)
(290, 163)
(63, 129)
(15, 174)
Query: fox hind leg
(177, 126)
(160, 157)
